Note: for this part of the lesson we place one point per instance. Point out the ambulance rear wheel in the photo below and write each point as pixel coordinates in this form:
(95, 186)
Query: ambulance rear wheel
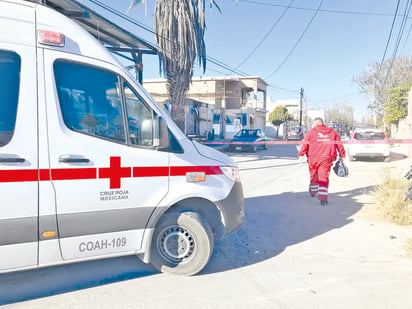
(182, 243)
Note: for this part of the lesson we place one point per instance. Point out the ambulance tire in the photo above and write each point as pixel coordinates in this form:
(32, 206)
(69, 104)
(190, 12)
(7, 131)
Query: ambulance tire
(182, 243)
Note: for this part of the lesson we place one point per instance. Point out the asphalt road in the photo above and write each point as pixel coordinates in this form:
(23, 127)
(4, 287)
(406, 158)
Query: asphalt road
(291, 252)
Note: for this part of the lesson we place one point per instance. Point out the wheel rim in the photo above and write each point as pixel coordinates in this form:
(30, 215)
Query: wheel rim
(175, 244)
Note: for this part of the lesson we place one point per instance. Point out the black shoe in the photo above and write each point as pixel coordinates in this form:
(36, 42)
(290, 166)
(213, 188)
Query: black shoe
(324, 203)
(312, 195)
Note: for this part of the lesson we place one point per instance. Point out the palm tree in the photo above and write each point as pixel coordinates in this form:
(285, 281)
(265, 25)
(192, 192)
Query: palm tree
(179, 31)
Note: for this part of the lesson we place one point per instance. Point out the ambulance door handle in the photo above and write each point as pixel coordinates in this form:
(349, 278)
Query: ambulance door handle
(4, 159)
(73, 159)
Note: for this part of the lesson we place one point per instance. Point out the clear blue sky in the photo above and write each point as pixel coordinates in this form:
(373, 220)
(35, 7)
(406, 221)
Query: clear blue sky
(343, 39)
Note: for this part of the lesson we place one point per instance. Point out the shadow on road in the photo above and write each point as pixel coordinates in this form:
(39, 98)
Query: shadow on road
(273, 152)
(272, 224)
(33, 284)
(275, 222)
(394, 156)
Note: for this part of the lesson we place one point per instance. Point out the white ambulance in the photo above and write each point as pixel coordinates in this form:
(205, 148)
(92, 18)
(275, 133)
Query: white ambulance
(90, 166)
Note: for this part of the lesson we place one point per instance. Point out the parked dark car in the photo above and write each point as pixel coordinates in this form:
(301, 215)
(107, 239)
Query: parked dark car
(295, 133)
(247, 140)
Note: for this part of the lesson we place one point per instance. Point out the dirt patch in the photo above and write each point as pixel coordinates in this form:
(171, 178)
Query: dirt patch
(371, 212)
(369, 209)
(409, 247)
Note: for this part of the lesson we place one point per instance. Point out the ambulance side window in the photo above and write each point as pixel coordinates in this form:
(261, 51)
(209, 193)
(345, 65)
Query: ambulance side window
(10, 64)
(139, 118)
(90, 100)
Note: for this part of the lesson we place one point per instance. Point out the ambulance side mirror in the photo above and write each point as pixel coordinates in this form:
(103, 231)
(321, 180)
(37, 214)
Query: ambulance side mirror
(161, 137)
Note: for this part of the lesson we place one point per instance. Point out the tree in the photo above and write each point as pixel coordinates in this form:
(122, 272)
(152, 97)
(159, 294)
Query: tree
(90, 122)
(377, 80)
(279, 115)
(341, 113)
(397, 105)
(179, 33)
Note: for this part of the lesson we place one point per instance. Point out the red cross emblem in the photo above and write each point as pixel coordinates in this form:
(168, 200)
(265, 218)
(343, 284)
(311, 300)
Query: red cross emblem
(115, 172)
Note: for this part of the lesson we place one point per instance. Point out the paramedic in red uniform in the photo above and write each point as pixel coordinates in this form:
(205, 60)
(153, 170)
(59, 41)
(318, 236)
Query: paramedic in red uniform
(320, 147)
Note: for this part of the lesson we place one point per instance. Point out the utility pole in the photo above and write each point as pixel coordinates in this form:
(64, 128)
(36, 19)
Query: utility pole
(301, 103)
(223, 111)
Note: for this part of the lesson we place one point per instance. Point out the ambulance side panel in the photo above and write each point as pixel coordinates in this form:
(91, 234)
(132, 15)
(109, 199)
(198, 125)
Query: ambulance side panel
(18, 139)
(84, 171)
(107, 184)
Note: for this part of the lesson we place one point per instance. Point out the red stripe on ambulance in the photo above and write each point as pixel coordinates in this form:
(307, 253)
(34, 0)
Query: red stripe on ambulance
(151, 171)
(73, 173)
(18, 175)
(114, 173)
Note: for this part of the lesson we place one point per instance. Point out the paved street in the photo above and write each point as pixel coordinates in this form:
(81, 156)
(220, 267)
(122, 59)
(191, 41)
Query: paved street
(291, 252)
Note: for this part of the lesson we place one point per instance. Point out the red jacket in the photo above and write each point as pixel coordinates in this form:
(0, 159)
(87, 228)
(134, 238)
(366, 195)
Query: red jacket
(318, 142)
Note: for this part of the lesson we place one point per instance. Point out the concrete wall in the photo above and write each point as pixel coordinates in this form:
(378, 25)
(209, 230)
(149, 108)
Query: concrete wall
(404, 130)
(214, 90)
(238, 96)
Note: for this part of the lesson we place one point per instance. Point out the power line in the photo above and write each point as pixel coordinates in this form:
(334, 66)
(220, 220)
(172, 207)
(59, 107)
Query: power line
(321, 10)
(124, 16)
(216, 71)
(407, 37)
(390, 33)
(402, 29)
(151, 30)
(266, 35)
(209, 58)
(280, 88)
(398, 40)
(226, 66)
(297, 42)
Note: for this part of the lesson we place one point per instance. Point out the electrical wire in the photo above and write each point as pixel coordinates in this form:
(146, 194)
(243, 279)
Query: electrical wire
(407, 37)
(398, 40)
(390, 33)
(151, 30)
(210, 59)
(226, 66)
(216, 71)
(124, 16)
(321, 10)
(280, 88)
(297, 42)
(402, 28)
(266, 35)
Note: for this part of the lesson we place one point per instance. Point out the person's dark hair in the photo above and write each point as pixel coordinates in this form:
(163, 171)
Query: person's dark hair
(318, 120)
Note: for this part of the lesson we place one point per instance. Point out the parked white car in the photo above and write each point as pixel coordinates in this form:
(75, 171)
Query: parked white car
(369, 143)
